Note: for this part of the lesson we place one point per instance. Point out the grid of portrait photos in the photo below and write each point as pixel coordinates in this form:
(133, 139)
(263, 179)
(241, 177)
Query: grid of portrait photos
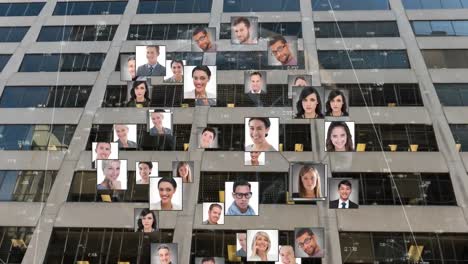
(309, 182)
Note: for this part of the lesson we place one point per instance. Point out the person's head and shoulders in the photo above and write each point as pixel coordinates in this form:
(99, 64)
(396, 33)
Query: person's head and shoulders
(241, 28)
(184, 171)
(207, 138)
(309, 183)
(260, 248)
(309, 104)
(241, 192)
(123, 142)
(111, 172)
(167, 188)
(204, 40)
(344, 191)
(339, 138)
(307, 242)
(157, 117)
(208, 260)
(214, 214)
(139, 95)
(242, 252)
(144, 169)
(164, 254)
(201, 77)
(147, 221)
(281, 49)
(259, 127)
(256, 83)
(177, 68)
(103, 151)
(336, 105)
(151, 67)
(131, 67)
(254, 158)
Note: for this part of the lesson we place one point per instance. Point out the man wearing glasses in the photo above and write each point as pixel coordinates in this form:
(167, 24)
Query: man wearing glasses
(203, 40)
(281, 49)
(306, 240)
(241, 194)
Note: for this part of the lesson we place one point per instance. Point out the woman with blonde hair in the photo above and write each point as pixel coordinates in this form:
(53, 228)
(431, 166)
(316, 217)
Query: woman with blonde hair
(286, 255)
(261, 245)
(309, 182)
(111, 171)
(184, 171)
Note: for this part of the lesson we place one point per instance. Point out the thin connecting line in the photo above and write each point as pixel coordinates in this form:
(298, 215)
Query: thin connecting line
(373, 124)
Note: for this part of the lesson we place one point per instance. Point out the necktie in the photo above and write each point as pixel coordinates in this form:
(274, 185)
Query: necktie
(151, 70)
(343, 205)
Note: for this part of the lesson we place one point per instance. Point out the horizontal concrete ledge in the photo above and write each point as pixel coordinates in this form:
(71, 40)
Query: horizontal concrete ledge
(456, 114)
(20, 213)
(442, 42)
(449, 75)
(368, 76)
(390, 115)
(83, 20)
(31, 159)
(38, 116)
(464, 156)
(444, 219)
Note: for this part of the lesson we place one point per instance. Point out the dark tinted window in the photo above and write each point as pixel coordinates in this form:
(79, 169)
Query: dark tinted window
(364, 59)
(267, 30)
(174, 6)
(324, 5)
(9, 252)
(452, 94)
(3, 60)
(440, 59)
(460, 134)
(20, 9)
(434, 4)
(162, 31)
(62, 62)
(356, 29)
(90, 8)
(77, 33)
(26, 186)
(251, 60)
(260, 6)
(12, 34)
(35, 137)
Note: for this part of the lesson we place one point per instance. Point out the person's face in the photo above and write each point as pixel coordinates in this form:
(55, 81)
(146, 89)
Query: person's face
(309, 180)
(145, 171)
(261, 243)
(183, 171)
(164, 256)
(200, 80)
(242, 32)
(336, 104)
(243, 202)
(300, 82)
(147, 221)
(157, 119)
(344, 191)
(207, 138)
(208, 262)
(177, 69)
(214, 214)
(286, 256)
(338, 138)
(281, 51)
(307, 243)
(131, 68)
(257, 131)
(243, 240)
(166, 191)
(103, 150)
(122, 131)
(140, 91)
(256, 83)
(203, 40)
(152, 55)
(254, 155)
(309, 103)
(112, 171)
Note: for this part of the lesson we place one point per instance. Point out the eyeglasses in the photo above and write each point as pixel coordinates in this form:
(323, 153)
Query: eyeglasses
(240, 195)
(278, 50)
(200, 39)
(306, 241)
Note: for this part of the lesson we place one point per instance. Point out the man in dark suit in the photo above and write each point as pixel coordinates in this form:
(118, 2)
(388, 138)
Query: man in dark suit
(256, 83)
(344, 190)
(152, 68)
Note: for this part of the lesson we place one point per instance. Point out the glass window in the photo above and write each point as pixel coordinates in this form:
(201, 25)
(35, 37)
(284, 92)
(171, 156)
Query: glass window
(90, 8)
(162, 32)
(325, 5)
(77, 33)
(443, 28)
(174, 6)
(12, 34)
(259, 6)
(446, 58)
(20, 9)
(3, 60)
(451, 4)
(15, 137)
(421, 28)
(68, 62)
(431, 4)
(363, 59)
(412, 4)
(461, 28)
(449, 95)
(24, 97)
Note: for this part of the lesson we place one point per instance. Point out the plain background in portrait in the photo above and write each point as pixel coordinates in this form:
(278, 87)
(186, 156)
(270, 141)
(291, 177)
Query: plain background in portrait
(273, 234)
(346, 94)
(154, 193)
(238, 245)
(294, 170)
(155, 256)
(296, 92)
(298, 260)
(141, 59)
(166, 122)
(333, 189)
(154, 170)
(319, 233)
(189, 87)
(114, 151)
(206, 207)
(261, 159)
(292, 79)
(218, 260)
(253, 31)
(273, 134)
(214, 144)
(122, 176)
(211, 33)
(169, 73)
(124, 73)
(132, 133)
(292, 41)
(247, 80)
(137, 216)
(253, 202)
(175, 163)
(139, 79)
(351, 130)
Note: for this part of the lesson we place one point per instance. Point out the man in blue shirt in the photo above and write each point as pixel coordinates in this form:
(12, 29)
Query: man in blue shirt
(241, 194)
